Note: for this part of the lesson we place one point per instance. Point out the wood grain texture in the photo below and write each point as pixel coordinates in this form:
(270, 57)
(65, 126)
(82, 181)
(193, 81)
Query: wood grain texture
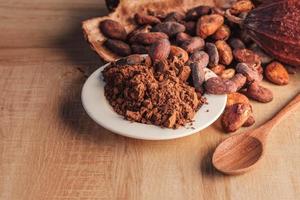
(50, 149)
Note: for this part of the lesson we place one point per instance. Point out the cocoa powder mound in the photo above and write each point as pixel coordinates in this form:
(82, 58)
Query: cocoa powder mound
(146, 94)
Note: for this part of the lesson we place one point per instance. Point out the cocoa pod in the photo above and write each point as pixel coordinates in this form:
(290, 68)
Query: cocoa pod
(197, 12)
(235, 116)
(143, 19)
(194, 44)
(139, 49)
(118, 47)
(259, 93)
(250, 121)
(113, 29)
(223, 33)
(198, 76)
(213, 53)
(149, 38)
(169, 28)
(208, 25)
(281, 40)
(180, 53)
(250, 72)
(160, 50)
(182, 37)
(199, 57)
(225, 52)
(276, 73)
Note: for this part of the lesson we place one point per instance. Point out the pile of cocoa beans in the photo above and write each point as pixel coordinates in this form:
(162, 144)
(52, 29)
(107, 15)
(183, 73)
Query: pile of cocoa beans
(203, 37)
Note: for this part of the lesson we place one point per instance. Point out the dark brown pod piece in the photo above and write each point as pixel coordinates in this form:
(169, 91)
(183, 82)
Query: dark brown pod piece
(280, 35)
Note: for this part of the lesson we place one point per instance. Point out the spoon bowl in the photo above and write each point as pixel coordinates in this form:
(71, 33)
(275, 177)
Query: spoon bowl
(237, 154)
(240, 153)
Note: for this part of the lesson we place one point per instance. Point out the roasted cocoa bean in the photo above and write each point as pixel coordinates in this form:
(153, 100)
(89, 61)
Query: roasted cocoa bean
(190, 27)
(250, 121)
(197, 12)
(118, 47)
(194, 44)
(277, 74)
(235, 97)
(235, 116)
(169, 28)
(249, 72)
(143, 19)
(160, 50)
(133, 59)
(225, 52)
(184, 73)
(200, 57)
(113, 29)
(208, 25)
(142, 29)
(259, 93)
(236, 43)
(180, 53)
(223, 33)
(228, 73)
(198, 76)
(246, 56)
(213, 53)
(241, 6)
(239, 81)
(218, 69)
(182, 37)
(148, 38)
(139, 49)
(174, 16)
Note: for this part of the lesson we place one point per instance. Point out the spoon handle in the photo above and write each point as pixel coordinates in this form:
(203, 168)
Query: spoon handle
(293, 104)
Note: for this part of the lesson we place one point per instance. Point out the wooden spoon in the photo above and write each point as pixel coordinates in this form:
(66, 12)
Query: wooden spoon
(240, 153)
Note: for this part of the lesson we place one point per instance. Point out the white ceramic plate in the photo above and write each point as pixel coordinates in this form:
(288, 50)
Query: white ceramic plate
(98, 108)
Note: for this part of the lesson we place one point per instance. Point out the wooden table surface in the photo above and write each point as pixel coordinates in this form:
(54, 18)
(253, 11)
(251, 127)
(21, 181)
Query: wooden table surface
(51, 149)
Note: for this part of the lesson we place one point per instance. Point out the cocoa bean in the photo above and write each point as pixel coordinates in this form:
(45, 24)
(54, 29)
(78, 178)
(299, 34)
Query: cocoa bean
(225, 52)
(241, 6)
(246, 56)
(249, 72)
(160, 50)
(118, 47)
(113, 29)
(228, 73)
(259, 93)
(249, 122)
(197, 12)
(235, 116)
(182, 37)
(143, 19)
(180, 53)
(218, 69)
(190, 27)
(223, 33)
(142, 29)
(174, 16)
(239, 80)
(149, 38)
(277, 74)
(236, 43)
(133, 59)
(213, 53)
(194, 44)
(208, 25)
(198, 76)
(139, 49)
(169, 28)
(199, 57)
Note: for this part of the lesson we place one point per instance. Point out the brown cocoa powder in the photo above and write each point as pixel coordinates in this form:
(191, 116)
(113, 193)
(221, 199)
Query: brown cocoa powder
(147, 95)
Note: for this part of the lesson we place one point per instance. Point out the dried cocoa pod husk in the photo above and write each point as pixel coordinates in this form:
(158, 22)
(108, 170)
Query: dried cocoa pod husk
(274, 26)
